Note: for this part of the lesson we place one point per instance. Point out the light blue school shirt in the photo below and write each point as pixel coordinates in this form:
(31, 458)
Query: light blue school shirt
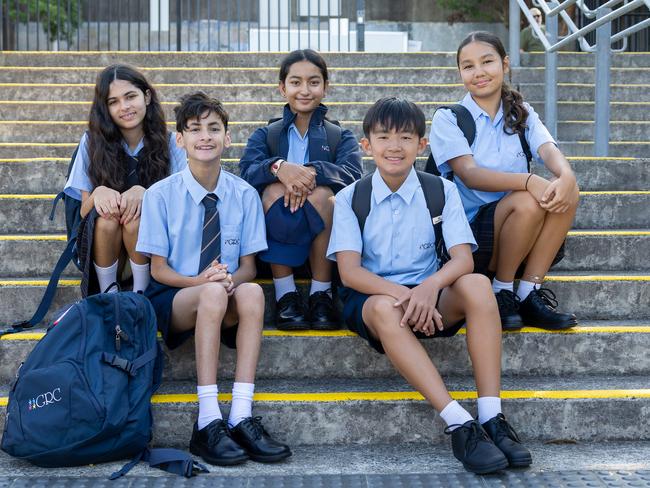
(298, 146)
(398, 241)
(492, 149)
(171, 224)
(79, 180)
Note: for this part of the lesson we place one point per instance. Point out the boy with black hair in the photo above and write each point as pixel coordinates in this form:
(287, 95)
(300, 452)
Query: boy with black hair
(396, 291)
(202, 228)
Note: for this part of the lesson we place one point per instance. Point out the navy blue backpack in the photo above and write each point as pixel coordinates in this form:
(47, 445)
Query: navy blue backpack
(83, 395)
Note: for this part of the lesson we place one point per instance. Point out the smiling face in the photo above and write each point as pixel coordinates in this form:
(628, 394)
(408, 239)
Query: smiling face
(204, 138)
(482, 69)
(394, 151)
(127, 105)
(304, 87)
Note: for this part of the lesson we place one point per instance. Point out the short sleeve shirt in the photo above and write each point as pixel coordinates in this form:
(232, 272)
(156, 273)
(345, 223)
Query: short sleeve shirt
(171, 224)
(80, 181)
(492, 148)
(398, 241)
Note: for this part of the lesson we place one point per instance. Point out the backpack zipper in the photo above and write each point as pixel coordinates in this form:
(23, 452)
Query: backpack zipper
(120, 335)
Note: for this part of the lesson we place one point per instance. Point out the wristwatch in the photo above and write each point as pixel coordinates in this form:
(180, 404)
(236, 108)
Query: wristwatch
(275, 167)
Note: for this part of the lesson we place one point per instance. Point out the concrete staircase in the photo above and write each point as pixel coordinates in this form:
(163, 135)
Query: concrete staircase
(328, 392)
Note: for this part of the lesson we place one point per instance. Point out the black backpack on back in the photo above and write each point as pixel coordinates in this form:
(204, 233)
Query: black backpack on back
(275, 126)
(466, 124)
(434, 194)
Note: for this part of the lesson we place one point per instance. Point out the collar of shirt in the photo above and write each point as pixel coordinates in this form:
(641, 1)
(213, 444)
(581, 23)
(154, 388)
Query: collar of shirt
(137, 149)
(381, 191)
(294, 130)
(196, 191)
(477, 111)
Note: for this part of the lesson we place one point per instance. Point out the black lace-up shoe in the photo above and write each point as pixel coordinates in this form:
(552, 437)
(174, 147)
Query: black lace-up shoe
(290, 312)
(214, 444)
(260, 446)
(507, 440)
(472, 447)
(539, 310)
(508, 304)
(322, 312)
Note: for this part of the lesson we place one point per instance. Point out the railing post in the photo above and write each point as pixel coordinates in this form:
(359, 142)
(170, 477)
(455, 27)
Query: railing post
(515, 24)
(361, 27)
(550, 103)
(179, 23)
(603, 65)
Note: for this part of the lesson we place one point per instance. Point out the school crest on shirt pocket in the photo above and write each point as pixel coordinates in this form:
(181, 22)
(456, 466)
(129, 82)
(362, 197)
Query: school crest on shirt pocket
(230, 242)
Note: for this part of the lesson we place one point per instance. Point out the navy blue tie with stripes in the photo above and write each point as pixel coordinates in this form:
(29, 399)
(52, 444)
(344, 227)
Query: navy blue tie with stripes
(211, 240)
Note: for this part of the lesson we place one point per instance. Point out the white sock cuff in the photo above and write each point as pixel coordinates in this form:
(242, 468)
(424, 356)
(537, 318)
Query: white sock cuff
(488, 407)
(109, 269)
(283, 286)
(207, 390)
(497, 285)
(135, 266)
(454, 414)
(317, 286)
(243, 390)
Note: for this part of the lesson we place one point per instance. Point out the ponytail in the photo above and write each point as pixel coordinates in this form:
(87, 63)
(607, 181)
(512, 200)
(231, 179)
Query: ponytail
(515, 113)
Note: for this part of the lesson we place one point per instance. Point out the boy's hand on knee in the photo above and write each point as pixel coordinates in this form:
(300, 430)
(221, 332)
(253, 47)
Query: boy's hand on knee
(421, 312)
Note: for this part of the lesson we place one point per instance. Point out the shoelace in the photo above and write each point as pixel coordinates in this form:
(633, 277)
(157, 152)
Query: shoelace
(216, 432)
(476, 434)
(507, 302)
(546, 296)
(255, 427)
(321, 298)
(505, 430)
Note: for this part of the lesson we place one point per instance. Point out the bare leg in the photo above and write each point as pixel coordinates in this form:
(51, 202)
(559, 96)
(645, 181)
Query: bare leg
(107, 242)
(404, 350)
(202, 308)
(471, 297)
(322, 199)
(246, 306)
(130, 239)
(518, 220)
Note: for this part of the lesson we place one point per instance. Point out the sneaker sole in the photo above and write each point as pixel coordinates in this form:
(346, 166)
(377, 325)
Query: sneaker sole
(270, 458)
(501, 465)
(211, 460)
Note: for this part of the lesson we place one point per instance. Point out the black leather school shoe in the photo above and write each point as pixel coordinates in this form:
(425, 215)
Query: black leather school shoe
(290, 312)
(508, 304)
(322, 312)
(472, 447)
(260, 446)
(507, 440)
(214, 444)
(539, 310)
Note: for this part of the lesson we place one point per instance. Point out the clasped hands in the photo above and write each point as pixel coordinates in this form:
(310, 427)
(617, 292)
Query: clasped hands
(121, 207)
(299, 181)
(419, 307)
(218, 273)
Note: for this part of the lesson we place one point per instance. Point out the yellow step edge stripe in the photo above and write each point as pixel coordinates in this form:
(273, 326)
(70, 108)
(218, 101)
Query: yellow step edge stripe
(35, 160)
(59, 237)
(390, 396)
(605, 329)
(234, 85)
(39, 144)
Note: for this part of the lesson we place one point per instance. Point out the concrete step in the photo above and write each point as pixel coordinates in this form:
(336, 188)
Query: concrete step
(366, 92)
(557, 465)
(345, 411)
(591, 296)
(349, 110)
(341, 354)
(62, 131)
(263, 59)
(615, 251)
(28, 214)
(629, 149)
(384, 74)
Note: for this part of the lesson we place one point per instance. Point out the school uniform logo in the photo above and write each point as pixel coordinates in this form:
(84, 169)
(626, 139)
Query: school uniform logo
(44, 399)
(231, 242)
(325, 148)
(427, 245)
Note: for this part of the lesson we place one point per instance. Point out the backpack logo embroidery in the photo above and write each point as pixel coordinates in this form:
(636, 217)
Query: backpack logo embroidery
(44, 399)
(325, 148)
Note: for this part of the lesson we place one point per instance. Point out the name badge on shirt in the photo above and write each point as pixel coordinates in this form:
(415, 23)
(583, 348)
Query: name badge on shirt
(436, 220)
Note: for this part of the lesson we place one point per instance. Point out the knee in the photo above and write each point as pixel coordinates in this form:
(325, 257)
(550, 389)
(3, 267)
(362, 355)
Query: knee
(271, 194)
(382, 314)
(322, 199)
(475, 290)
(250, 296)
(132, 227)
(528, 207)
(213, 298)
(104, 226)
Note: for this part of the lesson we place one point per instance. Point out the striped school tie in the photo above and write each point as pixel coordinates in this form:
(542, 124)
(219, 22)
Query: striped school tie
(211, 240)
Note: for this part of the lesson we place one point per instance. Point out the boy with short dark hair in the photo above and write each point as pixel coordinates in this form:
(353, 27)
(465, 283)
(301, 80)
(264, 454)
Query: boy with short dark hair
(396, 290)
(202, 228)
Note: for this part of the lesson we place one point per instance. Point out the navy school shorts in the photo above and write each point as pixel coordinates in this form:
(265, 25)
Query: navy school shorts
(353, 316)
(483, 229)
(161, 297)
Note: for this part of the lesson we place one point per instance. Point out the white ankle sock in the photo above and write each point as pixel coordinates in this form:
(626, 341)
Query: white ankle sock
(524, 289)
(454, 414)
(106, 276)
(497, 286)
(242, 402)
(321, 286)
(283, 286)
(208, 404)
(141, 276)
(488, 407)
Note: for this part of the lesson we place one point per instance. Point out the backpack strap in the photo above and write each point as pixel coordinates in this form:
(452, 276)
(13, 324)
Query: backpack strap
(170, 460)
(465, 123)
(361, 200)
(130, 367)
(434, 194)
(274, 129)
(48, 296)
(526, 148)
(333, 131)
